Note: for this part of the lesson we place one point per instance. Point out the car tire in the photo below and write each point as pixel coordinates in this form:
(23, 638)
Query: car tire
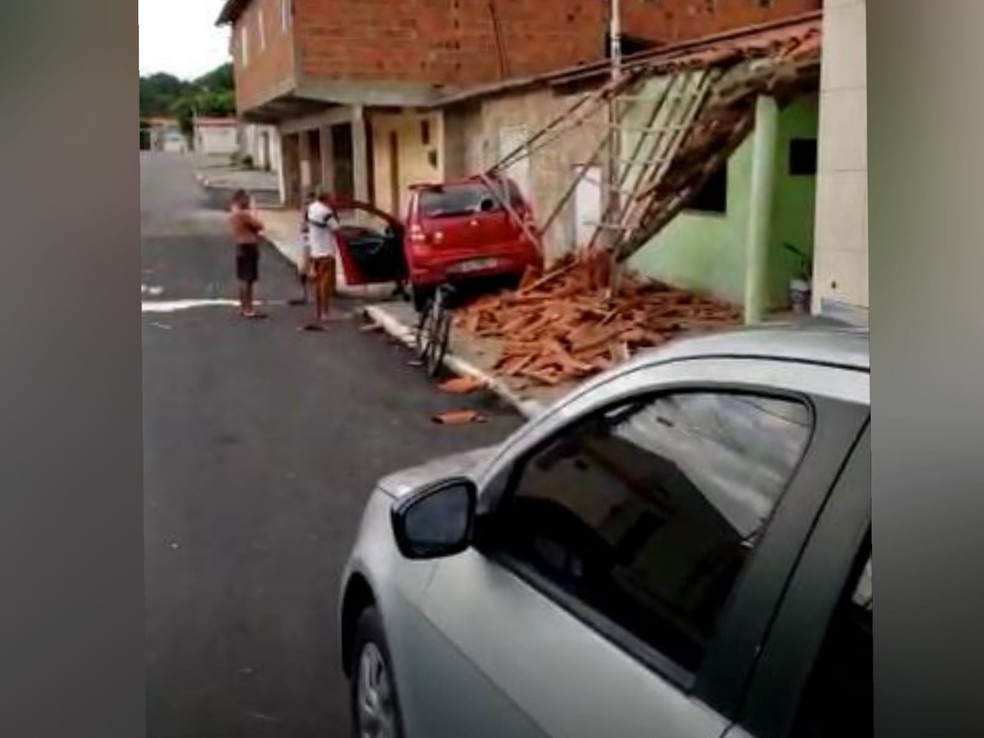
(375, 707)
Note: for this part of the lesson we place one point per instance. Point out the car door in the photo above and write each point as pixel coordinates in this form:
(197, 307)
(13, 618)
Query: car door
(814, 678)
(370, 244)
(632, 547)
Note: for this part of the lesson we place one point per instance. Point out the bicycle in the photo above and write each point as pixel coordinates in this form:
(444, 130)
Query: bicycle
(434, 330)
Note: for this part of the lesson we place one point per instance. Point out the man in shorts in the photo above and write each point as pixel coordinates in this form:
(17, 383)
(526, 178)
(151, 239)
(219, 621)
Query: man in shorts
(323, 246)
(246, 228)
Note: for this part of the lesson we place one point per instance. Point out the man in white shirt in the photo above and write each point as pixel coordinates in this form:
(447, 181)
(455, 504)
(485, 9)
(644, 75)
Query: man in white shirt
(322, 250)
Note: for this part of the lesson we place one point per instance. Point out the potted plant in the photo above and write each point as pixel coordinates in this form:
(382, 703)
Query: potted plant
(800, 287)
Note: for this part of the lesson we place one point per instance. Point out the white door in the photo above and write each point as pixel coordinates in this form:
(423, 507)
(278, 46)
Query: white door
(587, 204)
(511, 139)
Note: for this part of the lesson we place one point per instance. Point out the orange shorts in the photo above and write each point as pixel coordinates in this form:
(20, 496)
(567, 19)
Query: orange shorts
(323, 270)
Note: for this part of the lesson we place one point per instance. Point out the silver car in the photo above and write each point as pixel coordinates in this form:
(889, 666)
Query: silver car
(679, 549)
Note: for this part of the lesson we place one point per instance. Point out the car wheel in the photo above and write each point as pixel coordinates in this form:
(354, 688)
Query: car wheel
(375, 708)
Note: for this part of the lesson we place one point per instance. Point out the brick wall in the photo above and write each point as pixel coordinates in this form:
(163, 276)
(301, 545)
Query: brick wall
(454, 42)
(669, 21)
(450, 42)
(269, 67)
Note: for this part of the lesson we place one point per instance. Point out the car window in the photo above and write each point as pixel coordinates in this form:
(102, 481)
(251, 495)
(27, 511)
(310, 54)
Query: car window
(464, 199)
(646, 514)
(839, 696)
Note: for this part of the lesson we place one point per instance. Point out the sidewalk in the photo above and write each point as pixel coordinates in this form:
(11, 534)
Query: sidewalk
(216, 174)
(469, 357)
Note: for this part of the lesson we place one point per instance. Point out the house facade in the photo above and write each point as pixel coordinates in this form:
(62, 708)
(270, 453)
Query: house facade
(261, 144)
(216, 136)
(704, 248)
(355, 89)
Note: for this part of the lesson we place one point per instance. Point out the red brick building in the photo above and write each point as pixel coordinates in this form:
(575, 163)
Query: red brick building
(322, 70)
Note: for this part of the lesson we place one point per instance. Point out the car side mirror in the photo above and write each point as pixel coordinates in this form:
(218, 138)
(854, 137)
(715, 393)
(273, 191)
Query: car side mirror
(436, 521)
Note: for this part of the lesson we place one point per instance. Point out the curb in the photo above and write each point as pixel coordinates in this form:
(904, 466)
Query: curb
(462, 367)
(205, 182)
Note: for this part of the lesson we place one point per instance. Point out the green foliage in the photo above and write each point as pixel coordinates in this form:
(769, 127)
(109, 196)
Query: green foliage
(212, 94)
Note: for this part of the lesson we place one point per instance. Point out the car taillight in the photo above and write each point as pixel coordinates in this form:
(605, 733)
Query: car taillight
(417, 234)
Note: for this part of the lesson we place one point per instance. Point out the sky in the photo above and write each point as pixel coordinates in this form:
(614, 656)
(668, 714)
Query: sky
(180, 37)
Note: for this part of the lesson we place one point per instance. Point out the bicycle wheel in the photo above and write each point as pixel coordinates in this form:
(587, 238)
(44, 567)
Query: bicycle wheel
(440, 337)
(425, 331)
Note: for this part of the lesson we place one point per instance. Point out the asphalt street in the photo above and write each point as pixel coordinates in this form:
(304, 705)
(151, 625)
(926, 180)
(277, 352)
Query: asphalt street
(261, 445)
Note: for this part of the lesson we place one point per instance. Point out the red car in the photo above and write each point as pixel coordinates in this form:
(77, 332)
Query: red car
(454, 231)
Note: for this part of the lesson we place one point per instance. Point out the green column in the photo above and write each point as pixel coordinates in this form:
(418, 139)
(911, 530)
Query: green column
(760, 207)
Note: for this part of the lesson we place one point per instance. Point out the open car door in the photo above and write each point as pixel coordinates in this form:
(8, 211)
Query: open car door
(370, 243)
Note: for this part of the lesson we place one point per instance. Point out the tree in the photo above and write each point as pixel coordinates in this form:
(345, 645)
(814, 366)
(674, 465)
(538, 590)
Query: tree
(211, 94)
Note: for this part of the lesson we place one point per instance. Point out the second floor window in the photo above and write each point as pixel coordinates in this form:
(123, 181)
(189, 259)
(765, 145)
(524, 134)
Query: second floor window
(262, 29)
(285, 14)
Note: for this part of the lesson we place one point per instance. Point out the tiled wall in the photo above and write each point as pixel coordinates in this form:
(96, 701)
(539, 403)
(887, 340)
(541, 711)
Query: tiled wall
(550, 168)
(841, 253)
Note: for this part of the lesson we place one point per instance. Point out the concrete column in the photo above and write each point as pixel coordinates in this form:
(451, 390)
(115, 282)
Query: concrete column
(277, 164)
(760, 208)
(360, 153)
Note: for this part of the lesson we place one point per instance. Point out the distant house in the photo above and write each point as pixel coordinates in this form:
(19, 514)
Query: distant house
(174, 142)
(216, 135)
(261, 143)
(164, 134)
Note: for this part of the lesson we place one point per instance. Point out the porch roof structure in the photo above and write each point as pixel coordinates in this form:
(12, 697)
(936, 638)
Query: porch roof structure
(802, 31)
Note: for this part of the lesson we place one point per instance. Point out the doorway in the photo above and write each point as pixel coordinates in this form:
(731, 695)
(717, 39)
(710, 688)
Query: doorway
(394, 173)
(343, 160)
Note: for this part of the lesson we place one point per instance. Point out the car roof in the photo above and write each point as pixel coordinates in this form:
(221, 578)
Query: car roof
(457, 181)
(814, 341)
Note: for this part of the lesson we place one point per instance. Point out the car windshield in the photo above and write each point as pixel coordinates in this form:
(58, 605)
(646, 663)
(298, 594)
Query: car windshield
(462, 199)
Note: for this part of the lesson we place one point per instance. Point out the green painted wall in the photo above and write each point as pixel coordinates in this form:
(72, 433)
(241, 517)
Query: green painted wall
(706, 252)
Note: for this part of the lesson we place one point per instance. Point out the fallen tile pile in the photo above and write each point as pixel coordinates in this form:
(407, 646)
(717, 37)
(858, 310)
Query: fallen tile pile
(562, 326)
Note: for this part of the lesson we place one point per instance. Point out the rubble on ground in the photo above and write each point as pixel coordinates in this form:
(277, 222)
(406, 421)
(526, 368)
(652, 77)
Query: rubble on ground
(563, 325)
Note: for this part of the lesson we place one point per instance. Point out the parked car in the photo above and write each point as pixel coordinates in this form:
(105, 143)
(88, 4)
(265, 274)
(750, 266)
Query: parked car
(463, 230)
(454, 232)
(681, 548)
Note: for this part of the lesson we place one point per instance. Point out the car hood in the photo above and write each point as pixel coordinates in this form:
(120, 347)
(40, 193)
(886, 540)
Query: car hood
(467, 464)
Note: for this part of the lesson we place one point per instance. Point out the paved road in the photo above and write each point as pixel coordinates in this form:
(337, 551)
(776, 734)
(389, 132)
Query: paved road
(260, 446)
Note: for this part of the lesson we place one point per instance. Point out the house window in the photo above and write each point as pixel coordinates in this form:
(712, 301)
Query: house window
(285, 14)
(713, 196)
(803, 157)
(261, 26)
(244, 44)
(425, 132)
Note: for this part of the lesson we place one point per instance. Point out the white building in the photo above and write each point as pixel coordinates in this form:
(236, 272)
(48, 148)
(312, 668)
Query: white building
(840, 257)
(261, 143)
(216, 135)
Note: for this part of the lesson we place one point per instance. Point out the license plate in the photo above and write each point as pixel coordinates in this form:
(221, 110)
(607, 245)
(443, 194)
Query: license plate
(474, 265)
